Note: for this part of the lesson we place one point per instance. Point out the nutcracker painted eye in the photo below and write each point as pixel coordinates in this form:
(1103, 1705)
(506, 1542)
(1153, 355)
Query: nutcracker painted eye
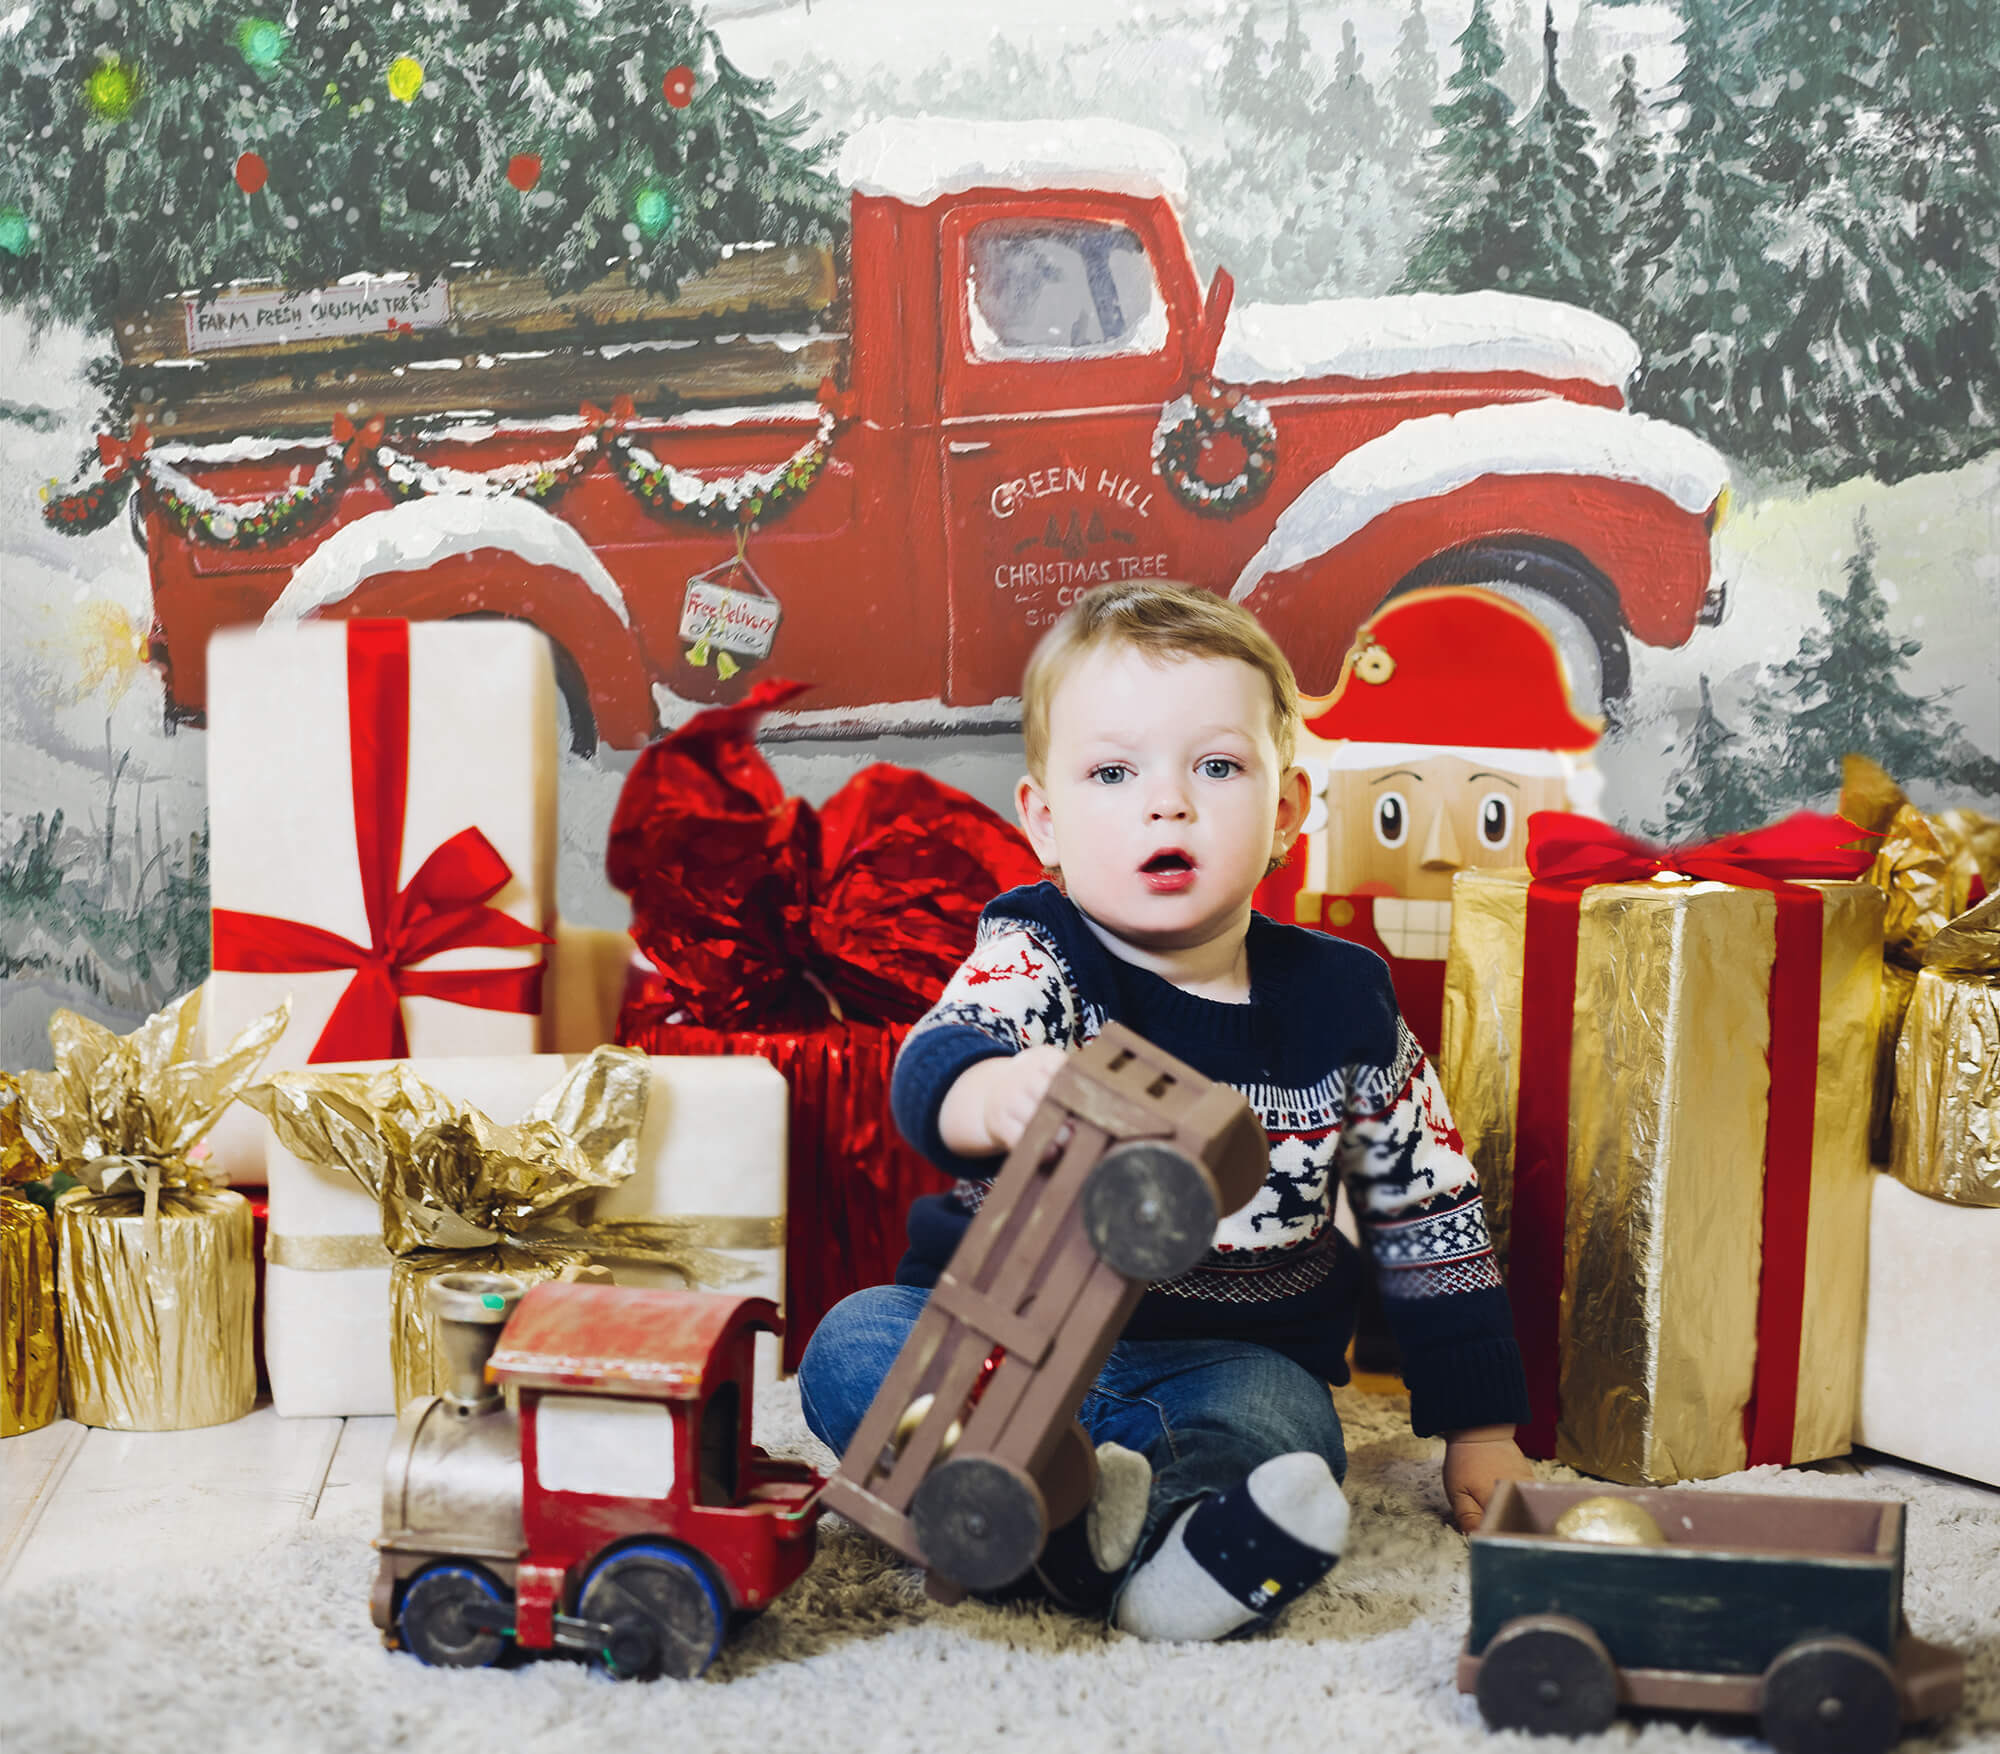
(1392, 819)
(1496, 819)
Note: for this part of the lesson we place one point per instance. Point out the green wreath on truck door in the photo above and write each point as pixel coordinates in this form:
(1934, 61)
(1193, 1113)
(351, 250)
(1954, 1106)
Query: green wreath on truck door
(1190, 424)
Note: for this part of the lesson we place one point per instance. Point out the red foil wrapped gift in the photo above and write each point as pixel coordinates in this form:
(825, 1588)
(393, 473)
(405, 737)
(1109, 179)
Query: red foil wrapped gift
(812, 938)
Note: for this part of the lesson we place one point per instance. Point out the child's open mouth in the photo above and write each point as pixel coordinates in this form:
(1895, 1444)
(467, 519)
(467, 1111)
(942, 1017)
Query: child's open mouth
(1168, 872)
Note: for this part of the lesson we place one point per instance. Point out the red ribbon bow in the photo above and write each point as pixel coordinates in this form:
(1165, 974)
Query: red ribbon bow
(758, 911)
(441, 908)
(359, 440)
(118, 455)
(1566, 855)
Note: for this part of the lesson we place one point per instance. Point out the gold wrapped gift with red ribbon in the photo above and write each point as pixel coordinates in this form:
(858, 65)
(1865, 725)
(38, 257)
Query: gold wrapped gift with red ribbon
(1660, 1063)
(30, 1383)
(813, 938)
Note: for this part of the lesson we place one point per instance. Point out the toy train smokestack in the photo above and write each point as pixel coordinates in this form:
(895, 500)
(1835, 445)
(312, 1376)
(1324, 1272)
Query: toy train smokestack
(471, 1309)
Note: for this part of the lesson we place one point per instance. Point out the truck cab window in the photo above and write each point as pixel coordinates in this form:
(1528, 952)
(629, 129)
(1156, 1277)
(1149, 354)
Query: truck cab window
(602, 1445)
(1061, 287)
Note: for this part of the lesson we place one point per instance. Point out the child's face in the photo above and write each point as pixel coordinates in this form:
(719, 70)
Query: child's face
(1163, 802)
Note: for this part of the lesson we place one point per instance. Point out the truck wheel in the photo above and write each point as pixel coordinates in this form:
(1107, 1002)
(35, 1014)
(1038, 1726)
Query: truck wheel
(1575, 603)
(451, 1616)
(1831, 1695)
(979, 1522)
(664, 1613)
(1549, 1675)
(1149, 1210)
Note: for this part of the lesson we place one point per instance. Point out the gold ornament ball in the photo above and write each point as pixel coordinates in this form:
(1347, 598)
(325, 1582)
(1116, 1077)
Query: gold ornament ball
(406, 78)
(1610, 1522)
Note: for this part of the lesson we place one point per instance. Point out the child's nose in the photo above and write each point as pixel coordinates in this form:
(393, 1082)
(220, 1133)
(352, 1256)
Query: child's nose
(1169, 804)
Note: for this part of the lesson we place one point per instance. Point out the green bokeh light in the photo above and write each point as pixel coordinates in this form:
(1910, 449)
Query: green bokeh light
(653, 211)
(113, 89)
(13, 231)
(261, 41)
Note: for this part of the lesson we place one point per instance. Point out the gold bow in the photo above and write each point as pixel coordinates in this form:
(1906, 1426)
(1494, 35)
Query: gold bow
(448, 1178)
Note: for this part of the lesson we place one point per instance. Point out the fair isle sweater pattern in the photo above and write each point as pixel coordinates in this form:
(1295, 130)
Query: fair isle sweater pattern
(1382, 1129)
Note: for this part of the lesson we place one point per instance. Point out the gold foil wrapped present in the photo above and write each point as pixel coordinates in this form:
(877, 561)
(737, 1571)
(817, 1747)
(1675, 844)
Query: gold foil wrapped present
(1928, 867)
(154, 1274)
(29, 1385)
(1656, 1236)
(459, 1192)
(1946, 1136)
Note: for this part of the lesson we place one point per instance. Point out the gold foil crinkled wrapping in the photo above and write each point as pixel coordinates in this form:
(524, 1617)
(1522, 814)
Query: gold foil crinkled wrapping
(1947, 1118)
(1669, 1080)
(29, 1362)
(161, 1343)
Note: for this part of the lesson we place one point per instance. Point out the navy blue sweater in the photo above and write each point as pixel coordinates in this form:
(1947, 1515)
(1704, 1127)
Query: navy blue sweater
(1344, 1092)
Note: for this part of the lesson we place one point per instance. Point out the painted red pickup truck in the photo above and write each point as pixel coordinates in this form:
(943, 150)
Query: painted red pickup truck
(1022, 390)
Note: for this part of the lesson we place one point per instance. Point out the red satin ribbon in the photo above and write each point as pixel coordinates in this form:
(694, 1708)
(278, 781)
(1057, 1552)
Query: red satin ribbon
(1567, 855)
(441, 908)
(118, 455)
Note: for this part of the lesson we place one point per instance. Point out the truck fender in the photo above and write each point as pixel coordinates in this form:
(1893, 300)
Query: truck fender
(1597, 490)
(455, 557)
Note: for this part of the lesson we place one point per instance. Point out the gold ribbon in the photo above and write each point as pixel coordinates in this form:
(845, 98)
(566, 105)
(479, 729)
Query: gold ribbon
(342, 1254)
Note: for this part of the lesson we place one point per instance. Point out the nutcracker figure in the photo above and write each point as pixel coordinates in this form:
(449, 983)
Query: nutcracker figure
(1450, 725)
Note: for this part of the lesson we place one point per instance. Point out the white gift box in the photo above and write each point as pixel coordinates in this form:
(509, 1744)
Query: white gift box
(283, 836)
(713, 1146)
(1929, 1393)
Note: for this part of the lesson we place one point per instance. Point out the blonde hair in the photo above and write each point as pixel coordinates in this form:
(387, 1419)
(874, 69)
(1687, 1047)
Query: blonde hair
(1162, 618)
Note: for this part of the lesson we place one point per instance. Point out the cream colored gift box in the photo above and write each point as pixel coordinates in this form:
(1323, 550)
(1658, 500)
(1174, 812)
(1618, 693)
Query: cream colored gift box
(1928, 1389)
(282, 822)
(713, 1145)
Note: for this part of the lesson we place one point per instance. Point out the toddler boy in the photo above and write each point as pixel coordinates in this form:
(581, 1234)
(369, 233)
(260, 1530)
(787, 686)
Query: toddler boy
(1159, 723)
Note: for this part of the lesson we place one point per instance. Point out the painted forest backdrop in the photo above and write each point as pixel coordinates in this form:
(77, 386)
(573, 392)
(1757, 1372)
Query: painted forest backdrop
(1795, 210)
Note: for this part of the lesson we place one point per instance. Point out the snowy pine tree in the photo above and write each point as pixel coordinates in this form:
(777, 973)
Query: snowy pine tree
(1469, 240)
(1347, 121)
(1408, 97)
(1841, 693)
(153, 146)
(1520, 74)
(1632, 189)
(1590, 77)
(1718, 786)
(1563, 221)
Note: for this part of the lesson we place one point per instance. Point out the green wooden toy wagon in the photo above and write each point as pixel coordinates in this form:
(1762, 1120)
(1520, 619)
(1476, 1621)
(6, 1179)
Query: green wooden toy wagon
(1788, 1608)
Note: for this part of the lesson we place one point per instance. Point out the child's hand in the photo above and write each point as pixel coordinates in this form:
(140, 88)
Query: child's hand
(1475, 1462)
(989, 1108)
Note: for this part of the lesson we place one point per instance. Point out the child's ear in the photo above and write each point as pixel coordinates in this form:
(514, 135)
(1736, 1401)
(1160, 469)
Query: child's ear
(1294, 801)
(1037, 820)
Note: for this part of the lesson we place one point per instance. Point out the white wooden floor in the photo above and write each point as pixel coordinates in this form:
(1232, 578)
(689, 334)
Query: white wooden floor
(76, 1501)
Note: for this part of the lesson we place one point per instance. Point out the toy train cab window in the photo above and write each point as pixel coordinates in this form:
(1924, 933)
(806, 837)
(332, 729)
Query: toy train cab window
(617, 1508)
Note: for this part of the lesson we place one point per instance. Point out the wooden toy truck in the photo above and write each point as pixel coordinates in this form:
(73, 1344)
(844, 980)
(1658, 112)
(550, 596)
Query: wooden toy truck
(1789, 1609)
(621, 1511)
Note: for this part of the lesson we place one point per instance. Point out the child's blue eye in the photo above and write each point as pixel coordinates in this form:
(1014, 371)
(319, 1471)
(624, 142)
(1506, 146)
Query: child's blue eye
(1219, 767)
(1109, 776)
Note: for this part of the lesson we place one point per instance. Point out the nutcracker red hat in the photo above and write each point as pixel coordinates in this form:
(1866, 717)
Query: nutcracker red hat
(1452, 668)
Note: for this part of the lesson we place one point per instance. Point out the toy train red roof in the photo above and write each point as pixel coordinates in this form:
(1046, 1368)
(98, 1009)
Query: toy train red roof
(659, 1345)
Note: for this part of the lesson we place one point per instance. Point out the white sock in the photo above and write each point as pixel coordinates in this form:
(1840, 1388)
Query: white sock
(1240, 1555)
(1118, 1508)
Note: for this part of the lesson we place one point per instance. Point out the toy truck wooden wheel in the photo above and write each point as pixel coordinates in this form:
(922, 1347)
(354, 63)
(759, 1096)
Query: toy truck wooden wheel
(664, 1614)
(1830, 1696)
(1149, 1210)
(1549, 1675)
(979, 1522)
(452, 1615)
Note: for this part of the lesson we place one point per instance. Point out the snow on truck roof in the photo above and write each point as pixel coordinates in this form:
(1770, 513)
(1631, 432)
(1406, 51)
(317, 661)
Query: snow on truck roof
(919, 158)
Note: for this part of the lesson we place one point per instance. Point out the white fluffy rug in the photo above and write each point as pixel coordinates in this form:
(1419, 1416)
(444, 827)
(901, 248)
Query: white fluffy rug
(281, 1656)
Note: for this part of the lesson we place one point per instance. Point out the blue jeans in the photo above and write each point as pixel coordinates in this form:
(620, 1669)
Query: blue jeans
(1202, 1412)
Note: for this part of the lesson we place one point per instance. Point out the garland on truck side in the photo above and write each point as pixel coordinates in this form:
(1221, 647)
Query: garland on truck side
(728, 499)
(1190, 423)
(749, 497)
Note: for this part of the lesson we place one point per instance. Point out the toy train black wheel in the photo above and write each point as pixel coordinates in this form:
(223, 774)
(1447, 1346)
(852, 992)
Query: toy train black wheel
(979, 1522)
(662, 1612)
(456, 1616)
(1149, 1210)
(1549, 1675)
(1831, 1696)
